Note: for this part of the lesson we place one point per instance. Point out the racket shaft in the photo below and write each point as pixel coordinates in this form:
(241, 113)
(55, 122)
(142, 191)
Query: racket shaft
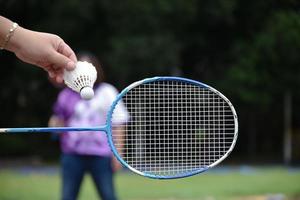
(51, 129)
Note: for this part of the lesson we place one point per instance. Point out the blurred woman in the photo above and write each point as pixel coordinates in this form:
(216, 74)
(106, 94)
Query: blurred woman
(87, 151)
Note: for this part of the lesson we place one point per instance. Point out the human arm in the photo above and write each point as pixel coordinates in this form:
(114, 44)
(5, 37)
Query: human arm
(55, 121)
(119, 135)
(44, 50)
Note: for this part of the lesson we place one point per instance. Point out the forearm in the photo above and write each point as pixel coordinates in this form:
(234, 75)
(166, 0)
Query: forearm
(10, 41)
(119, 136)
(5, 25)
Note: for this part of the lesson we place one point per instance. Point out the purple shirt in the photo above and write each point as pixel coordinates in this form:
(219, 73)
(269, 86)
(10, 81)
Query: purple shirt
(77, 112)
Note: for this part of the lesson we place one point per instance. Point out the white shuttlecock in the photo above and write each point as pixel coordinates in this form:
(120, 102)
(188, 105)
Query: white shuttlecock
(82, 79)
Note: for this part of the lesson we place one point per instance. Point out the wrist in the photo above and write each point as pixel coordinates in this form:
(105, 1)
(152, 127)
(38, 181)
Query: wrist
(16, 39)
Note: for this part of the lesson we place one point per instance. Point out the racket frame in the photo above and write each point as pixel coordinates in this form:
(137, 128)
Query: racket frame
(107, 128)
(169, 78)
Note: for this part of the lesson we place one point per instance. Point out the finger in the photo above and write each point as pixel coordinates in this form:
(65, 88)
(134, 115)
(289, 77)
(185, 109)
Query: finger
(61, 61)
(55, 73)
(59, 75)
(59, 79)
(50, 71)
(55, 67)
(65, 50)
(51, 74)
(70, 66)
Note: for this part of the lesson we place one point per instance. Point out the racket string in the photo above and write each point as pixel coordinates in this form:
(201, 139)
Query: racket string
(174, 128)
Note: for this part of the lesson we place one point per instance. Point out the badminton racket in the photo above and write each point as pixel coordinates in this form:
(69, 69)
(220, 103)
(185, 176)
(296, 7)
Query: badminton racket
(177, 127)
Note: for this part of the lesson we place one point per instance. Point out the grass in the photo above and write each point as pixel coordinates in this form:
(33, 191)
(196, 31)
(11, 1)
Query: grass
(215, 185)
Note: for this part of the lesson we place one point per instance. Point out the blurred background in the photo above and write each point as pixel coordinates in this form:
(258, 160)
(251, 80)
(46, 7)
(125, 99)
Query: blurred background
(248, 50)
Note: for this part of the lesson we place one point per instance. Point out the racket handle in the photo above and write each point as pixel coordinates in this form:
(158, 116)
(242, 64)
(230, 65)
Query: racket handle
(51, 129)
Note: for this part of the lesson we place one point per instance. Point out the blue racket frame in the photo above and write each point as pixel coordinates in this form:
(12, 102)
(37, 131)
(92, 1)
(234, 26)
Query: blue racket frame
(107, 128)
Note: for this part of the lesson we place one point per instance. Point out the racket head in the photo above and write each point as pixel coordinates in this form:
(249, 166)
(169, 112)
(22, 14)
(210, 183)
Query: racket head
(178, 127)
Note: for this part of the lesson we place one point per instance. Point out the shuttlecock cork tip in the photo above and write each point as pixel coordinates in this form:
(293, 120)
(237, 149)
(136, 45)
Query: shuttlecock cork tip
(87, 93)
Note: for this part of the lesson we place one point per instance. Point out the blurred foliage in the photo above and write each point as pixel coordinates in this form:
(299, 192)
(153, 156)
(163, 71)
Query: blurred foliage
(246, 49)
(269, 63)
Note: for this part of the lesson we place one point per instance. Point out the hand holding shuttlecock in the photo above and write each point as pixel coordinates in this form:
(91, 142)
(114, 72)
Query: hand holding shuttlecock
(82, 79)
